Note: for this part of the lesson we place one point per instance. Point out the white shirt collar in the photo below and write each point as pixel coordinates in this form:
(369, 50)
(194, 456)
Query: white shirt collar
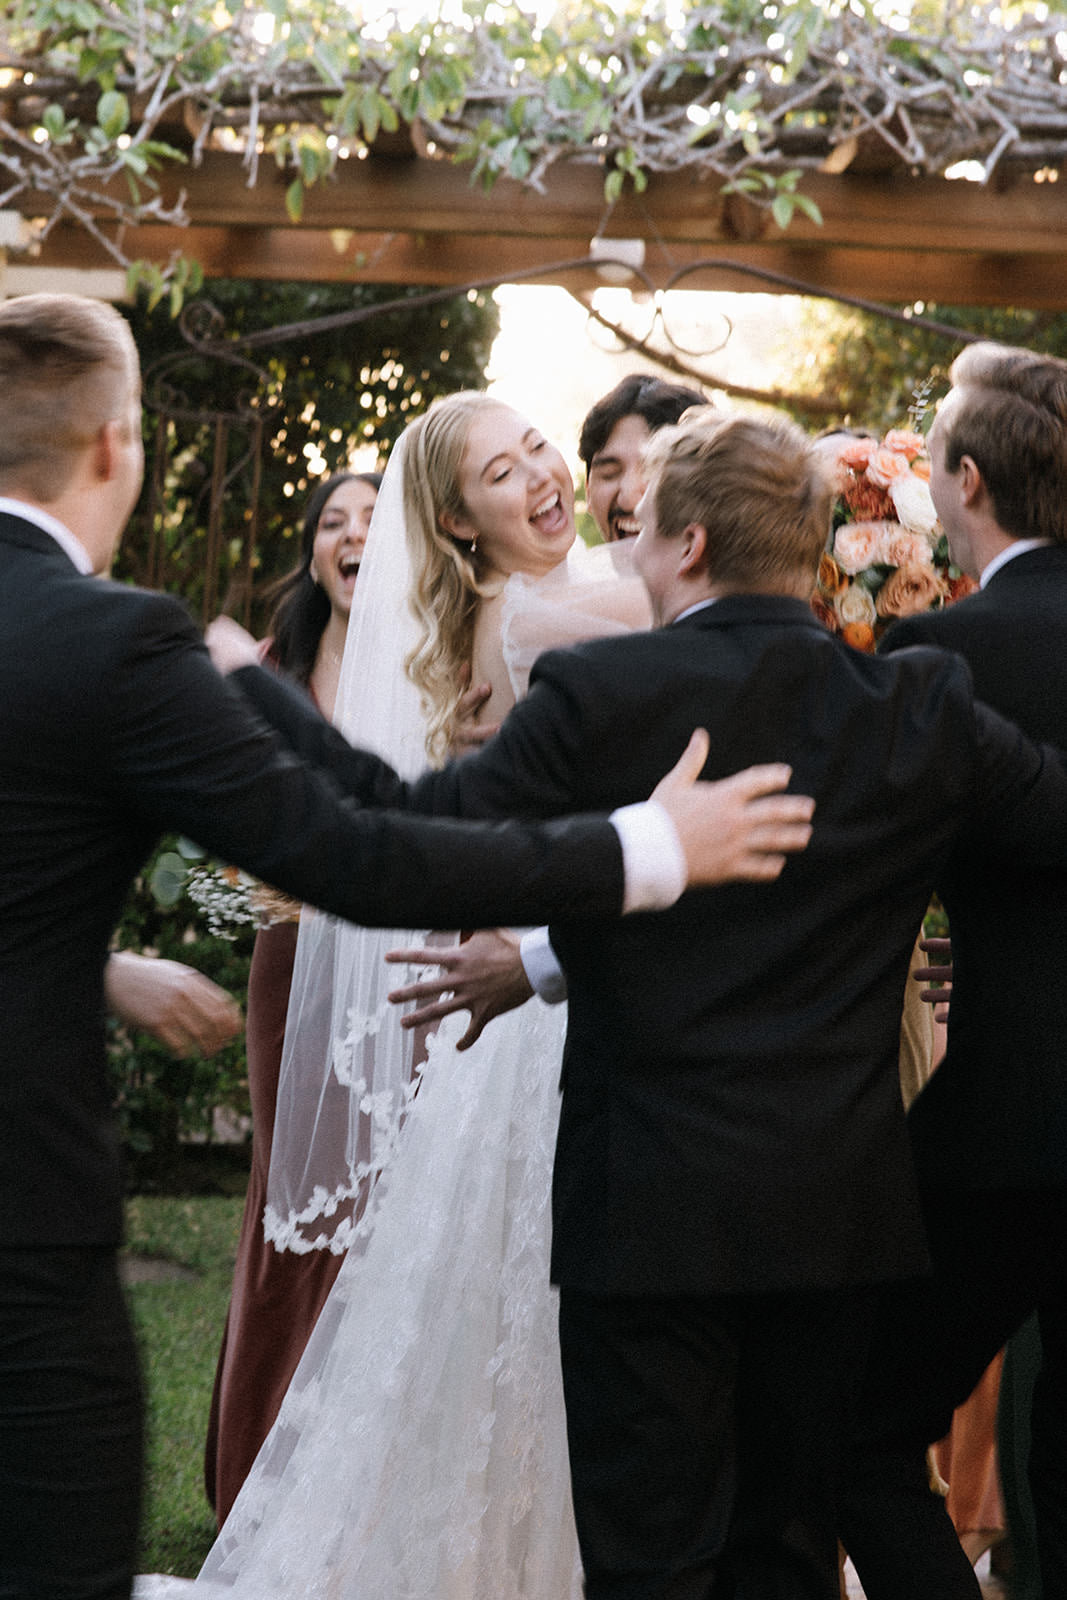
(1018, 547)
(700, 605)
(66, 540)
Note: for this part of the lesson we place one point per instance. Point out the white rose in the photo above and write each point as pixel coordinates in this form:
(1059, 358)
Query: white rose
(855, 604)
(914, 506)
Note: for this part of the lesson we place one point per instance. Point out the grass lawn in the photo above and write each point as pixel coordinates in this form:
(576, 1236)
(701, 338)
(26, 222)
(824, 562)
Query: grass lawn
(179, 1315)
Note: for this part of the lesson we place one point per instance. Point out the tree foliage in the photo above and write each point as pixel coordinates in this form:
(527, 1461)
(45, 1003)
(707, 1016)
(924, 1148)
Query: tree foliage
(98, 96)
(316, 398)
(877, 371)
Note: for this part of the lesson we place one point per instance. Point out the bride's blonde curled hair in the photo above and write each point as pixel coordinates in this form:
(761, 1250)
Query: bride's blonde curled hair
(449, 579)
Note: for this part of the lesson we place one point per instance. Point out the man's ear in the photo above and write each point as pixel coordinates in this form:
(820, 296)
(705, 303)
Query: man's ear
(693, 546)
(971, 482)
(105, 450)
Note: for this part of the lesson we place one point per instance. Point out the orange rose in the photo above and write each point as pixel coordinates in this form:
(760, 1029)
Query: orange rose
(910, 589)
(860, 635)
(866, 500)
(826, 614)
(959, 588)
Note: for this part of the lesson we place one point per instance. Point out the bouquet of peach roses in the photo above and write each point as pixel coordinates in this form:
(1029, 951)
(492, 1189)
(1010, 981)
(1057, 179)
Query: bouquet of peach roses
(887, 556)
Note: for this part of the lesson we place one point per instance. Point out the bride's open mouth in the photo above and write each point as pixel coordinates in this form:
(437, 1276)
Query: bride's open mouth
(549, 516)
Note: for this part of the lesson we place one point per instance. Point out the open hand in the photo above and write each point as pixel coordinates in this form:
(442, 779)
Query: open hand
(484, 975)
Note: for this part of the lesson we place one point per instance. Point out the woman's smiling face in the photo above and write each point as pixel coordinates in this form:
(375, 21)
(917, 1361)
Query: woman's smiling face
(340, 535)
(518, 496)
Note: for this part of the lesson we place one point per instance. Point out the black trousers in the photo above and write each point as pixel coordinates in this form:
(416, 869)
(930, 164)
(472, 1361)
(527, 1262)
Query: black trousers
(998, 1255)
(71, 1430)
(704, 1436)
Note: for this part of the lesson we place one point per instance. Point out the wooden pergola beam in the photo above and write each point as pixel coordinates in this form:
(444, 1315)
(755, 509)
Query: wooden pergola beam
(887, 237)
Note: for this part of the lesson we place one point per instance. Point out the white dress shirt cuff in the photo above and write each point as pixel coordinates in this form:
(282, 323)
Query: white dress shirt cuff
(656, 870)
(541, 966)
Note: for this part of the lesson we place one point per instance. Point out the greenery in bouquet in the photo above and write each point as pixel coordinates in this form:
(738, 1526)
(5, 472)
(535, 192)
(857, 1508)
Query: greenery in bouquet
(163, 1101)
(887, 556)
(229, 900)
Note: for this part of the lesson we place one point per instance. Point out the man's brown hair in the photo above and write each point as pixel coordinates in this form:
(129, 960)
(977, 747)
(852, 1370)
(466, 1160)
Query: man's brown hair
(1011, 419)
(68, 365)
(757, 486)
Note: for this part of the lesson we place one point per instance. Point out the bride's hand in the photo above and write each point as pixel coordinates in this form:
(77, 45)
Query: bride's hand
(738, 828)
(230, 646)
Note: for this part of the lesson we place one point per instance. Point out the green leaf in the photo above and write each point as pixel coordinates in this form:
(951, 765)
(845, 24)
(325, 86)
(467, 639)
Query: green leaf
(294, 200)
(782, 209)
(113, 113)
(805, 203)
(167, 881)
(55, 125)
(613, 185)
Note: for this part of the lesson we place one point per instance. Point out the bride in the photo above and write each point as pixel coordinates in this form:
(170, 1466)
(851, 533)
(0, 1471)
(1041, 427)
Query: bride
(421, 1450)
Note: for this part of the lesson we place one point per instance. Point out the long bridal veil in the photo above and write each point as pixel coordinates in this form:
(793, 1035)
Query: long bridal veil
(347, 1066)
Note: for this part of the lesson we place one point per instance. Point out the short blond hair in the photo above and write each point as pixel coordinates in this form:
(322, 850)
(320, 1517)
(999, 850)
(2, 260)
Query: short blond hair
(1011, 420)
(757, 486)
(68, 365)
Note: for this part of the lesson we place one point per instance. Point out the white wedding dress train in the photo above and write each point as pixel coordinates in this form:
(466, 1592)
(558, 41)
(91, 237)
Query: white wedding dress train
(421, 1451)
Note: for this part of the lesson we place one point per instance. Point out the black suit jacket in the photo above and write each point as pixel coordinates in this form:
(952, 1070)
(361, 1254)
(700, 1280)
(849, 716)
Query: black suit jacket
(114, 726)
(995, 1112)
(731, 1114)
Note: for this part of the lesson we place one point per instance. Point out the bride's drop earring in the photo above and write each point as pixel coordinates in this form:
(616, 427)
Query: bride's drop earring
(474, 545)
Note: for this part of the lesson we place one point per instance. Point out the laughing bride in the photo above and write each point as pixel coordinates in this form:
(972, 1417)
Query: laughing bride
(421, 1451)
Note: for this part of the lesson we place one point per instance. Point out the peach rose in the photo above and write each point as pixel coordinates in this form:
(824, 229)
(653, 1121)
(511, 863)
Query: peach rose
(854, 604)
(913, 504)
(856, 453)
(910, 589)
(856, 545)
(904, 549)
(905, 440)
(860, 635)
(885, 465)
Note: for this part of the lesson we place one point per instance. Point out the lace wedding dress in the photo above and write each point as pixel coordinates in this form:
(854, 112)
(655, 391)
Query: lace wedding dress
(420, 1453)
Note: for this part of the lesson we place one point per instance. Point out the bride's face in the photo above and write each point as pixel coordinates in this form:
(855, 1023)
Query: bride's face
(517, 493)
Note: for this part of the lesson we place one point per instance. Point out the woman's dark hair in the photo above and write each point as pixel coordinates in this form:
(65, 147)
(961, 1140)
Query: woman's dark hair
(301, 606)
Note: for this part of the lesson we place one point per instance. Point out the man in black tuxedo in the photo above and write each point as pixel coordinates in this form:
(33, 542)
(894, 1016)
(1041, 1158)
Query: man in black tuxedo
(733, 1173)
(989, 1131)
(114, 726)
